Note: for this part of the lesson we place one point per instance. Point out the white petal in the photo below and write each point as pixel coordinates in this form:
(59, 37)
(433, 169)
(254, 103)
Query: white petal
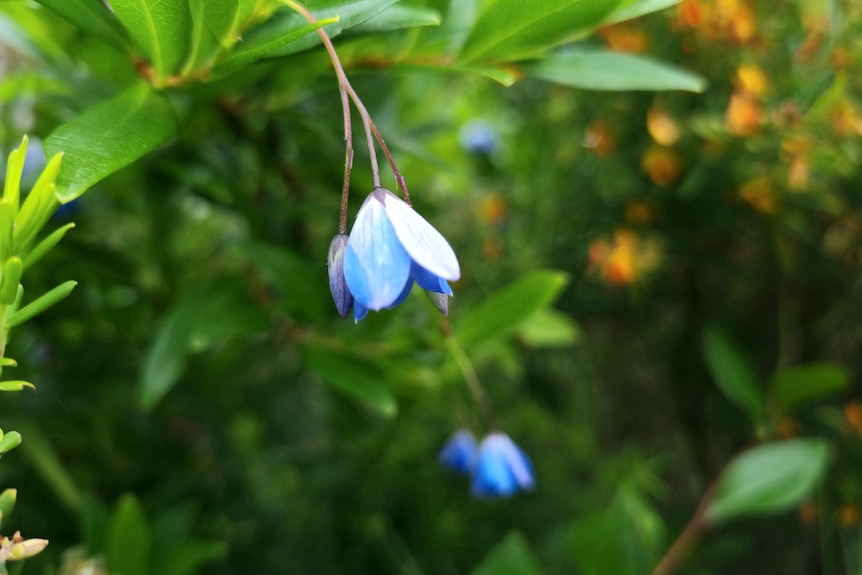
(425, 245)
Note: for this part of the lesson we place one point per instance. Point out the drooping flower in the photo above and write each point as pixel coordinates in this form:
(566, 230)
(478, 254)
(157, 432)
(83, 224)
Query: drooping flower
(337, 285)
(390, 247)
(502, 468)
(459, 453)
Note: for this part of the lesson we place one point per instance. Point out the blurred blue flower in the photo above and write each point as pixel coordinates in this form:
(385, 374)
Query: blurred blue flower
(390, 247)
(459, 453)
(478, 136)
(502, 468)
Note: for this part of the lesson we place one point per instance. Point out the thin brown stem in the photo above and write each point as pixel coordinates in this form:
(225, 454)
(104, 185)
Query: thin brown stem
(399, 179)
(348, 162)
(688, 538)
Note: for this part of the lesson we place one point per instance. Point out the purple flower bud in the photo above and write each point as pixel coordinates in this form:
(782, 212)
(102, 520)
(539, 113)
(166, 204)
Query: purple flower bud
(337, 285)
(459, 453)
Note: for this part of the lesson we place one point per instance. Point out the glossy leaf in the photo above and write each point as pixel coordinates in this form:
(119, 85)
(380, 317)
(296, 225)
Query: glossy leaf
(15, 385)
(41, 303)
(286, 32)
(732, 372)
(46, 245)
(91, 16)
(360, 380)
(448, 38)
(161, 29)
(514, 29)
(108, 137)
(601, 70)
(212, 25)
(768, 479)
(501, 312)
(803, 383)
(397, 17)
(129, 539)
(38, 206)
(631, 9)
(511, 556)
(11, 440)
(548, 328)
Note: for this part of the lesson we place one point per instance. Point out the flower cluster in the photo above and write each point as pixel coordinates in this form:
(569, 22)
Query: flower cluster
(497, 467)
(390, 247)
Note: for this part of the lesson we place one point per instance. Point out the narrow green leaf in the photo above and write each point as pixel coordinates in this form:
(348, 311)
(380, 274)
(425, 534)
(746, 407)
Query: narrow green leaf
(732, 372)
(212, 26)
(511, 556)
(448, 38)
(161, 29)
(46, 245)
(109, 137)
(41, 303)
(39, 205)
(7, 362)
(11, 440)
(349, 375)
(514, 29)
(808, 382)
(91, 16)
(601, 70)
(190, 556)
(7, 229)
(504, 310)
(7, 503)
(398, 17)
(12, 270)
(129, 539)
(548, 328)
(631, 9)
(768, 479)
(15, 385)
(14, 169)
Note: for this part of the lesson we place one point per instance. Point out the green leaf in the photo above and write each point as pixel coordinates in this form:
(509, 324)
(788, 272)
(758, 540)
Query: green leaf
(7, 503)
(108, 137)
(549, 328)
(356, 378)
(12, 270)
(768, 479)
(398, 17)
(514, 29)
(39, 205)
(504, 310)
(11, 440)
(15, 385)
(207, 315)
(511, 556)
(91, 16)
(46, 245)
(631, 9)
(129, 539)
(41, 303)
(732, 372)
(804, 383)
(214, 27)
(161, 29)
(601, 70)
(188, 558)
(14, 169)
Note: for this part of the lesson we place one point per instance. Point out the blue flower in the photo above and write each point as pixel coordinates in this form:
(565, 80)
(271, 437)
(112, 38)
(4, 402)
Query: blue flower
(337, 285)
(459, 453)
(502, 468)
(390, 247)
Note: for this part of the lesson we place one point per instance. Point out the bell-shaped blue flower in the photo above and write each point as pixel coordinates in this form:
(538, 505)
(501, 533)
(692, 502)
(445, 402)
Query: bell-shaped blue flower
(459, 453)
(502, 468)
(390, 247)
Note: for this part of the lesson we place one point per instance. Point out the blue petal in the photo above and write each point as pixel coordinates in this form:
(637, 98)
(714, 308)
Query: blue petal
(376, 266)
(403, 295)
(359, 311)
(459, 453)
(502, 468)
(429, 281)
(426, 246)
(340, 293)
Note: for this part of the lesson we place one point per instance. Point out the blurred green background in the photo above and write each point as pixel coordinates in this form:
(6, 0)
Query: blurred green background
(201, 408)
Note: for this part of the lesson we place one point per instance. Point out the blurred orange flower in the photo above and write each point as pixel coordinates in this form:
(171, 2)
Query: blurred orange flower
(743, 114)
(663, 129)
(853, 415)
(662, 165)
(849, 515)
(624, 259)
(760, 194)
(625, 38)
(599, 138)
(493, 209)
(751, 79)
(639, 212)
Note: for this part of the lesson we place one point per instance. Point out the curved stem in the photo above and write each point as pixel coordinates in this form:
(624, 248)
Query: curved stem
(473, 383)
(688, 538)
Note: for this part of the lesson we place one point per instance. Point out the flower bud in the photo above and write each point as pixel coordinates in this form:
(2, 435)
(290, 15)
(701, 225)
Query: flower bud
(26, 549)
(440, 301)
(337, 285)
